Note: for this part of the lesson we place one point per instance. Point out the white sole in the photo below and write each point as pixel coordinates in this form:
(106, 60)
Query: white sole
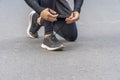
(30, 23)
(52, 49)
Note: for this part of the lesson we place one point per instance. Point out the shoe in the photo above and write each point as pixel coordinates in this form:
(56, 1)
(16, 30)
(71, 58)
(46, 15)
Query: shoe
(51, 43)
(33, 27)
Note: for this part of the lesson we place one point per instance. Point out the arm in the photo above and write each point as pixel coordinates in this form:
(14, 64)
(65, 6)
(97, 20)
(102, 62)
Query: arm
(45, 13)
(78, 5)
(34, 4)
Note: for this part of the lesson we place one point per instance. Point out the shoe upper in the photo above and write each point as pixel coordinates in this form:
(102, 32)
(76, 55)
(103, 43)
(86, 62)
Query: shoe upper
(34, 26)
(52, 41)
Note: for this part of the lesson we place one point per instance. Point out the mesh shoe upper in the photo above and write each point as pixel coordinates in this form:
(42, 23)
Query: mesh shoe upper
(33, 27)
(52, 42)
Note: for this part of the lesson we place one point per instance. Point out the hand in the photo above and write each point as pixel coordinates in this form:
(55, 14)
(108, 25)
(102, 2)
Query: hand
(49, 15)
(73, 17)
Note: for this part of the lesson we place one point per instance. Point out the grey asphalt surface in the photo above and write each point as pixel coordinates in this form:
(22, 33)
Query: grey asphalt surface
(94, 56)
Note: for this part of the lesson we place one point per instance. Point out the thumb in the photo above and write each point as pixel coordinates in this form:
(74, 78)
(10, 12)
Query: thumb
(71, 16)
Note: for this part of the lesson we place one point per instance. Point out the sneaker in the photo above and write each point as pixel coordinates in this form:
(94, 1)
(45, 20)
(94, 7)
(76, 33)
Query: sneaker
(51, 43)
(33, 27)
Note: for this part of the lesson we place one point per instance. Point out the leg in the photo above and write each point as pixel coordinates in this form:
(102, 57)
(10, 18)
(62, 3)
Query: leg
(47, 24)
(50, 41)
(67, 31)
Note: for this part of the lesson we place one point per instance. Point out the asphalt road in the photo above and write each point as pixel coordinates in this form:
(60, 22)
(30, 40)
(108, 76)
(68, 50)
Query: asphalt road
(94, 56)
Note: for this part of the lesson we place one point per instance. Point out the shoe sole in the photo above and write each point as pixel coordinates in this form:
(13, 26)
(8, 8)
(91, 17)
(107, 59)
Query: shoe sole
(52, 49)
(30, 23)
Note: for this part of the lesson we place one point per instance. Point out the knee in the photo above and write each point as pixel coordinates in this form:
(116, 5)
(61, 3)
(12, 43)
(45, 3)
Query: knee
(71, 38)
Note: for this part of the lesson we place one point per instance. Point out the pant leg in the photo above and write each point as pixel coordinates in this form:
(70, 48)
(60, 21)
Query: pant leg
(47, 24)
(67, 31)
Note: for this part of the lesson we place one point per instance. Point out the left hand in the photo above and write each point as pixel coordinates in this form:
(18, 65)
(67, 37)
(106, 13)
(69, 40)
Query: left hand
(73, 17)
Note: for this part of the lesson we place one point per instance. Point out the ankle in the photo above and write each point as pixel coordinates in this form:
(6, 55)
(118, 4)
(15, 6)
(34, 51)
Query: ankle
(39, 20)
(47, 35)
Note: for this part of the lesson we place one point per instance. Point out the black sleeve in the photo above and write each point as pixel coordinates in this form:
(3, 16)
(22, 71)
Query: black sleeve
(34, 4)
(78, 5)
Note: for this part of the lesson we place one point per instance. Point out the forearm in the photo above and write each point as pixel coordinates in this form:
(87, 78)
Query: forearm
(78, 5)
(34, 4)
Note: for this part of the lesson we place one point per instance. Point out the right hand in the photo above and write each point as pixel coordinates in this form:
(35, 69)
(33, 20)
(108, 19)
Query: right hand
(74, 17)
(49, 15)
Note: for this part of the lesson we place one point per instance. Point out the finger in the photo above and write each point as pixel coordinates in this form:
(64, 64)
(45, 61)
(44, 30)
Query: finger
(71, 16)
(67, 19)
(52, 19)
(70, 21)
(75, 18)
(52, 12)
(53, 16)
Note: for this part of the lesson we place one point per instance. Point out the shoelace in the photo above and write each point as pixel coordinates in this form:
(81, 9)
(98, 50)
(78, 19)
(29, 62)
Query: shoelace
(54, 38)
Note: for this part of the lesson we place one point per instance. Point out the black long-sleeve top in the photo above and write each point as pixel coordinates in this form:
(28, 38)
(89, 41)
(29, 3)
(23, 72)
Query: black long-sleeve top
(35, 4)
